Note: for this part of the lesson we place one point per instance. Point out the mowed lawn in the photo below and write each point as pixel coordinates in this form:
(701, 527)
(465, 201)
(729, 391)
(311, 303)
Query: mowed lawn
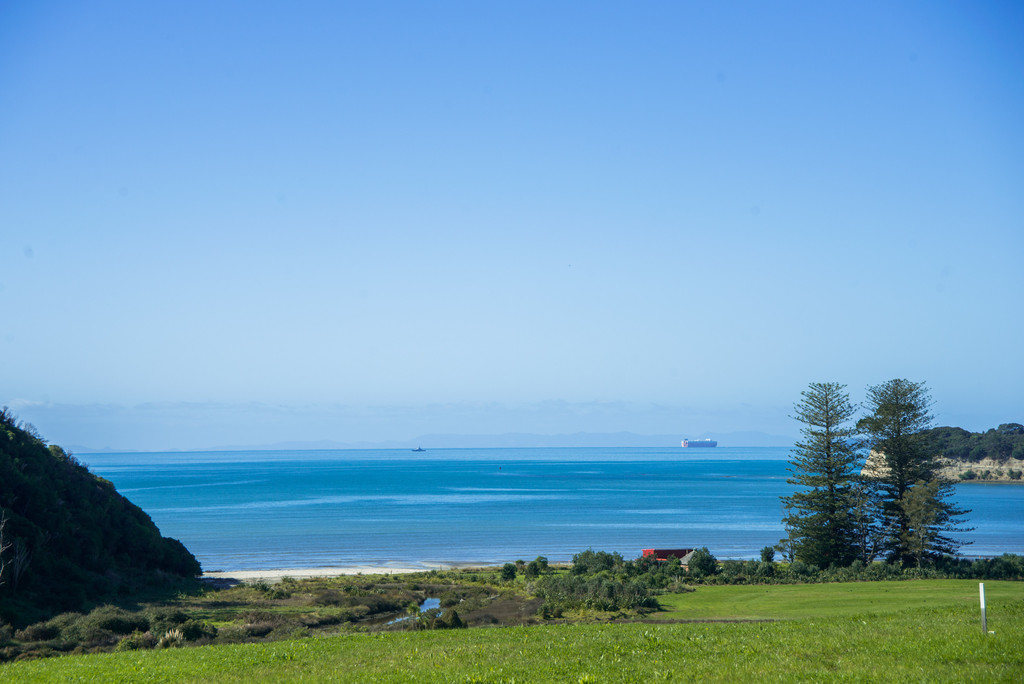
(790, 601)
(920, 635)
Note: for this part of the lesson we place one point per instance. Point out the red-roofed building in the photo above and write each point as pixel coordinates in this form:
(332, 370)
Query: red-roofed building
(662, 555)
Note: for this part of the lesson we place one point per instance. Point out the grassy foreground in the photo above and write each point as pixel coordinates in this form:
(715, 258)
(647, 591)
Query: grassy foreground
(794, 601)
(941, 642)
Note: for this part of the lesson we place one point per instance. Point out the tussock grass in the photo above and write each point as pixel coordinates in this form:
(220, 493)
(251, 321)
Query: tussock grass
(941, 642)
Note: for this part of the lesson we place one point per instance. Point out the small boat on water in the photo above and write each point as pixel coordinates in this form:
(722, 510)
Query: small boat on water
(419, 449)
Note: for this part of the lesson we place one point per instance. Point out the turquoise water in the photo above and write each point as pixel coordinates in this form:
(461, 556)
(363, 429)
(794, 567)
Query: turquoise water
(281, 509)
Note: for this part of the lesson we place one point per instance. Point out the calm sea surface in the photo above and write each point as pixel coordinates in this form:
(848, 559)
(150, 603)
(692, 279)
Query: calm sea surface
(291, 509)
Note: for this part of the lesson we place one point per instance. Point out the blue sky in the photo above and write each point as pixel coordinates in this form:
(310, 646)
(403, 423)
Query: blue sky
(241, 223)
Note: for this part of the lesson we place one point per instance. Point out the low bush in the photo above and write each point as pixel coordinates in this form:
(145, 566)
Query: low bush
(196, 630)
(137, 641)
(599, 592)
(41, 631)
(112, 620)
(163, 619)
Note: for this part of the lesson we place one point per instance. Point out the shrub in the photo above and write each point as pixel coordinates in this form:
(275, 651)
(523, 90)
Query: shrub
(702, 563)
(330, 597)
(115, 620)
(599, 592)
(451, 620)
(193, 630)
(41, 631)
(137, 641)
(260, 622)
(799, 568)
(163, 619)
(232, 634)
(591, 562)
(732, 568)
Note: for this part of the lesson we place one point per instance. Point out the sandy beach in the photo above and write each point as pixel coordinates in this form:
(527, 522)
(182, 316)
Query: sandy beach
(275, 575)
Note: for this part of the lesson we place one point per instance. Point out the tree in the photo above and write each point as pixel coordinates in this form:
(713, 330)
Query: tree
(787, 545)
(867, 520)
(702, 563)
(591, 562)
(921, 508)
(820, 520)
(900, 410)
(508, 572)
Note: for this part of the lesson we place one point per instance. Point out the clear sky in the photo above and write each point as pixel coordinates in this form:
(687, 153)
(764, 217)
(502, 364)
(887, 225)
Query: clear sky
(239, 223)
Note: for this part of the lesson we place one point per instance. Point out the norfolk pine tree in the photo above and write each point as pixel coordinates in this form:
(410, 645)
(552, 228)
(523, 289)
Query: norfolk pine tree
(900, 411)
(825, 460)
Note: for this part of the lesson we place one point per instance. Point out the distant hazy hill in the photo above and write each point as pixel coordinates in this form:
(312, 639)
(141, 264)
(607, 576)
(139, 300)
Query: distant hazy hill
(68, 538)
(524, 440)
(600, 439)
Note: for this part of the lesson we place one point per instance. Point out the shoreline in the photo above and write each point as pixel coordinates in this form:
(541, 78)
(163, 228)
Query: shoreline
(277, 574)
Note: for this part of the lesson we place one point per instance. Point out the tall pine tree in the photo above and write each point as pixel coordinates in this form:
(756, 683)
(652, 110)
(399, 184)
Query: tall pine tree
(900, 411)
(821, 519)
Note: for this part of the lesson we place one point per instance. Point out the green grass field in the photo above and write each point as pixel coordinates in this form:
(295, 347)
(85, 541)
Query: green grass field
(901, 631)
(792, 601)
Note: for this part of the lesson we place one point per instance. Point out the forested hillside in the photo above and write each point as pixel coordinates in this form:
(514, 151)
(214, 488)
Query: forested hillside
(67, 538)
(999, 444)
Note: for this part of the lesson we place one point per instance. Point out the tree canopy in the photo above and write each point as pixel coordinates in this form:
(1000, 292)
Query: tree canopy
(1000, 443)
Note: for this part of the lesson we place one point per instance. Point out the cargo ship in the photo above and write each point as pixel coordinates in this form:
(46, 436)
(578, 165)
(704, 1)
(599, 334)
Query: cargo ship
(696, 443)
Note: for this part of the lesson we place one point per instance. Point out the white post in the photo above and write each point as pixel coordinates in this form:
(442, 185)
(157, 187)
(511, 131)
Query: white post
(984, 620)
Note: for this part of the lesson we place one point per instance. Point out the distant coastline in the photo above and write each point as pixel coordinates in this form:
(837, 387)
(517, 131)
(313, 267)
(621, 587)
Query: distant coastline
(987, 470)
(509, 440)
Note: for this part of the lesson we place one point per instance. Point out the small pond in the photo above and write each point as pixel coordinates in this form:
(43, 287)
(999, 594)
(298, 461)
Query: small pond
(428, 604)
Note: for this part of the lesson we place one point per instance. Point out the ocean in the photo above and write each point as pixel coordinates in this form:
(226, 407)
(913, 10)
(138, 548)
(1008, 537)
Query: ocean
(256, 510)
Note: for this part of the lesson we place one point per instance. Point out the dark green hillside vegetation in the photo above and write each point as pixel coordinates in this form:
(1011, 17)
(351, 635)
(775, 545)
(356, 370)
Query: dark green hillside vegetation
(68, 540)
(1000, 444)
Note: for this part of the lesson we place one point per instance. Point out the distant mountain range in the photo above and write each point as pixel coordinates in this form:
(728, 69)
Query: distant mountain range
(517, 440)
